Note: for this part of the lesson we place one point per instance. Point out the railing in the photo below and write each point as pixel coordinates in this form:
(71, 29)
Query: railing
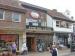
(38, 28)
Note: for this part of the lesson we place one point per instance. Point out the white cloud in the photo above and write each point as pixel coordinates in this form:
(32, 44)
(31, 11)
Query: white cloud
(61, 5)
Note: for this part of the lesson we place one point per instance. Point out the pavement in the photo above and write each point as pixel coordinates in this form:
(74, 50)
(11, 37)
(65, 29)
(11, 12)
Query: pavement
(47, 53)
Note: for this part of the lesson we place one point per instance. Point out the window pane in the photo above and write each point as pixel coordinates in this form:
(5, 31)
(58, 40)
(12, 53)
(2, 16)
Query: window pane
(1, 14)
(63, 24)
(57, 23)
(16, 17)
(67, 25)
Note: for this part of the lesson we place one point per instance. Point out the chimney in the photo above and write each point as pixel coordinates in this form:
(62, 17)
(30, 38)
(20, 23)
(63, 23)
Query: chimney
(67, 12)
(72, 17)
(55, 10)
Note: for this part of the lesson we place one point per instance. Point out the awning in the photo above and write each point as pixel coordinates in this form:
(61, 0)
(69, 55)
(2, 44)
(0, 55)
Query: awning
(8, 38)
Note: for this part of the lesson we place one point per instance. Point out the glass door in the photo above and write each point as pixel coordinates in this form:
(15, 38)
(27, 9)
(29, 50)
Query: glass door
(40, 45)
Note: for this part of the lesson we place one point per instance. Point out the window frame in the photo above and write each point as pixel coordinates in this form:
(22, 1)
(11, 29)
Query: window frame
(57, 24)
(18, 18)
(3, 15)
(69, 24)
(65, 26)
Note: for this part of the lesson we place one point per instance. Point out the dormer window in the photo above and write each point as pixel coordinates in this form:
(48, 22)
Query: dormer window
(2, 14)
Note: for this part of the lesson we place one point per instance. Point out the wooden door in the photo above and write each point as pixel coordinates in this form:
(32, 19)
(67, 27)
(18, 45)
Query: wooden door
(33, 44)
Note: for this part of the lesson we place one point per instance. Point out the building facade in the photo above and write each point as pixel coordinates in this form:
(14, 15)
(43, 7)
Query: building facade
(38, 27)
(12, 23)
(38, 30)
(62, 27)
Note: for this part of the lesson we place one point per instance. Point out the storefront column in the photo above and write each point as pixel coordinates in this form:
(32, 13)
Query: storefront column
(35, 44)
(20, 41)
(24, 37)
(54, 38)
(69, 38)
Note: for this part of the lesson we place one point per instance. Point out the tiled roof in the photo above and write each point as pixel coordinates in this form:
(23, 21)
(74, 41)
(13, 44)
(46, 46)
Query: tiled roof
(59, 15)
(52, 13)
(33, 6)
(11, 5)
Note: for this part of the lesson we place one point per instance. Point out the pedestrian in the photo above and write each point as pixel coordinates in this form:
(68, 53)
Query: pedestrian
(14, 48)
(9, 48)
(54, 50)
(24, 49)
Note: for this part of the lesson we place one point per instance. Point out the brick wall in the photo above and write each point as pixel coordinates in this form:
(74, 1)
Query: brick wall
(7, 23)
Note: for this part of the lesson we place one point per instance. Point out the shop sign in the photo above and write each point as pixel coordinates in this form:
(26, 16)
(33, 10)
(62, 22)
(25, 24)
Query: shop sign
(34, 15)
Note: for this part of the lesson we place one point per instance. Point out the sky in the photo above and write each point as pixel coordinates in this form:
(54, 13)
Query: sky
(60, 5)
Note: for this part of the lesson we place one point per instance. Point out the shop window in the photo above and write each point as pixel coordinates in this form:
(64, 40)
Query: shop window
(6, 39)
(40, 44)
(2, 43)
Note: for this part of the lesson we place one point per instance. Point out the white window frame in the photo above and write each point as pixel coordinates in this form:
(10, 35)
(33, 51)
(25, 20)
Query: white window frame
(19, 17)
(58, 24)
(3, 15)
(70, 24)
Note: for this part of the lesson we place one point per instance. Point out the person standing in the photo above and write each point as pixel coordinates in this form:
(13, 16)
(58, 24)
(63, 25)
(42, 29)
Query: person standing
(14, 48)
(54, 50)
(24, 49)
(9, 48)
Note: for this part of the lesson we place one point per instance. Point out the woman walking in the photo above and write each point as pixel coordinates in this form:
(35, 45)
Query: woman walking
(14, 49)
(54, 50)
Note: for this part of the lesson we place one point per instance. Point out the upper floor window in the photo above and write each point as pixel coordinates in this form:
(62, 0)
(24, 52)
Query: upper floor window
(58, 23)
(63, 24)
(1, 14)
(69, 25)
(16, 17)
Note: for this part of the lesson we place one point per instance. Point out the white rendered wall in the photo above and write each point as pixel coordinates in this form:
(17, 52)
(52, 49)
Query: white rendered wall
(58, 29)
(49, 21)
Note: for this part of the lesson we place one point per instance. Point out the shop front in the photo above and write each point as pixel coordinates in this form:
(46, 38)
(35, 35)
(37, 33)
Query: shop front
(7, 39)
(62, 38)
(9, 36)
(31, 43)
(38, 42)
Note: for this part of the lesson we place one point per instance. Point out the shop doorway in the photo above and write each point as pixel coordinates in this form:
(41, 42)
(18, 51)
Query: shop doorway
(31, 44)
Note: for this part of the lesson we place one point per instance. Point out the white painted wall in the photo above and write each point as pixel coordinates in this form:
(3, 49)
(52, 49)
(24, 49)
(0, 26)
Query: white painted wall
(58, 29)
(49, 21)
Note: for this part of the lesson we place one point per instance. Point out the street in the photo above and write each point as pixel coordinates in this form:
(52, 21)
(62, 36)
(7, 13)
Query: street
(71, 54)
(61, 53)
